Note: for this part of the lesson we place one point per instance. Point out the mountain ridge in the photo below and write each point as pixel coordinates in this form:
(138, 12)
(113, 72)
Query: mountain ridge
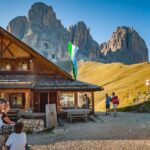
(44, 32)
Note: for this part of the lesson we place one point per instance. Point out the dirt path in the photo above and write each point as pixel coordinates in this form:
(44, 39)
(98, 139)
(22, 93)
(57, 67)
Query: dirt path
(126, 129)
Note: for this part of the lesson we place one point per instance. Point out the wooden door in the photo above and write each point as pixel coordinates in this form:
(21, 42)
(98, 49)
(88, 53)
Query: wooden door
(52, 97)
(43, 101)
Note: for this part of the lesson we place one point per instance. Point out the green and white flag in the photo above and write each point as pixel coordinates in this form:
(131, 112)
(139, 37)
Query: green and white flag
(72, 50)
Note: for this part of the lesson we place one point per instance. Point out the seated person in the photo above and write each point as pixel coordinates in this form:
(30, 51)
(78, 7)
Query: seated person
(18, 139)
(2, 106)
(4, 116)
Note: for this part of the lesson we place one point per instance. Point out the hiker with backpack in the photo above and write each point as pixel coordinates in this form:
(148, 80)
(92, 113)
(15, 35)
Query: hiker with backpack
(115, 102)
(108, 100)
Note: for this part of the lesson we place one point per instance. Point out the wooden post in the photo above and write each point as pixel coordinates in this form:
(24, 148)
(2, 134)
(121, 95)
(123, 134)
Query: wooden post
(3, 95)
(92, 96)
(31, 99)
(51, 116)
(58, 101)
(31, 65)
(27, 100)
(1, 46)
(76, 99)
(38, 101)
(48, 97)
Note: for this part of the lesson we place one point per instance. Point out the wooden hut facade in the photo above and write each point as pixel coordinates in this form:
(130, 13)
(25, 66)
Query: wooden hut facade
(29, 80)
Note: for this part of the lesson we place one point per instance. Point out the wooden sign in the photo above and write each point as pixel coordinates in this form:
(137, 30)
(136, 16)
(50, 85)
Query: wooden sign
(51, 116)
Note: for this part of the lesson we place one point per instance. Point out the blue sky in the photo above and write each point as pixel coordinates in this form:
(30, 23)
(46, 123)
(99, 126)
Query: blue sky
(102, 16)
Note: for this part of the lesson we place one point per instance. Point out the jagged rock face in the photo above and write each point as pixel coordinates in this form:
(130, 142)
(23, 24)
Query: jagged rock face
(124, 46)
(80, 35)
(18, 26)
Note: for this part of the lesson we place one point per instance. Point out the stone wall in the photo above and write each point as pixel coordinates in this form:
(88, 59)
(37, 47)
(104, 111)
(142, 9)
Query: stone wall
(32, 125)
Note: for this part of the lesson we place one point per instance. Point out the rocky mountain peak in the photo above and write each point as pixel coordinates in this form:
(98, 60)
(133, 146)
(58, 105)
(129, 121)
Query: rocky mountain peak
(42, 15)
(127, 43)
(80, 35)
(18, 26)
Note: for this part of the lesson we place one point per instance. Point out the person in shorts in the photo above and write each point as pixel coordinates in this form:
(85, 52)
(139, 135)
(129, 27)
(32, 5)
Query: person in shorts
(115, 102)
(108, 99)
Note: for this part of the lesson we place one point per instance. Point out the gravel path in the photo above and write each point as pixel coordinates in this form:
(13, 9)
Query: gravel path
(127, 131)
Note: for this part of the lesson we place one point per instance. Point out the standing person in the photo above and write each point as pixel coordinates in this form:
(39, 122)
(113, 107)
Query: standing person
(18, 139)
(108, 99)
(115, 102)
(87, 101)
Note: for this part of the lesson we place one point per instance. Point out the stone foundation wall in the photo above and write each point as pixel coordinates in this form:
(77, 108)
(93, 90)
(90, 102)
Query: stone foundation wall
(32, 125)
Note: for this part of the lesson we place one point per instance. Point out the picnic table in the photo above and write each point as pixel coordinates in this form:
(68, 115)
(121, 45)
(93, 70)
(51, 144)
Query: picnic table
(77, 113)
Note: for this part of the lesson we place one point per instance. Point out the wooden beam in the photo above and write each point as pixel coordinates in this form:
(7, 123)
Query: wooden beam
(31, 99)
(58, 101)
(48, 97)
(76, 99)
(92, 97)
(27, 100)
(1, 47)
(39, 95)
(6, 46)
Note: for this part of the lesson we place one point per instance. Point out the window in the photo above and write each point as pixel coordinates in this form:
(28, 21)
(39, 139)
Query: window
(16, 100)
(6, 66)
(67, 100)
(23, 66)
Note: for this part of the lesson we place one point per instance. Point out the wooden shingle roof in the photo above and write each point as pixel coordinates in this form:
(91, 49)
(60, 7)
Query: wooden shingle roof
(42, 82)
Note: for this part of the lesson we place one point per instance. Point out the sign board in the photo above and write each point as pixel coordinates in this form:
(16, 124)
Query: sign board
(51, 116)
(147, 82)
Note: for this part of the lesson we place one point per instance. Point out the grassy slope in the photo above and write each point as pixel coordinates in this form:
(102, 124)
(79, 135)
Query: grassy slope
(125, 80)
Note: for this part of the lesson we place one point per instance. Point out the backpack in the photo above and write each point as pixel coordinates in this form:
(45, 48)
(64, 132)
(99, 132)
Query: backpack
(110, 98)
